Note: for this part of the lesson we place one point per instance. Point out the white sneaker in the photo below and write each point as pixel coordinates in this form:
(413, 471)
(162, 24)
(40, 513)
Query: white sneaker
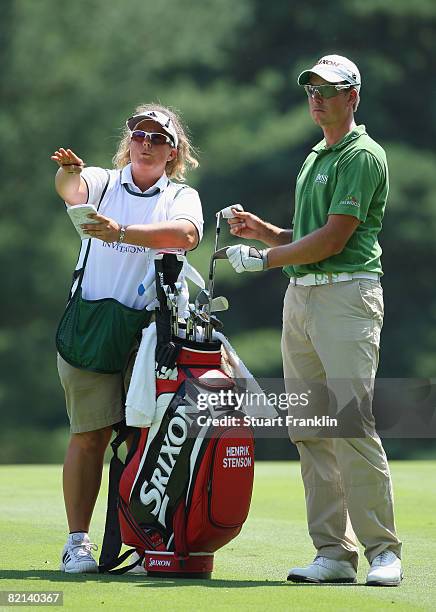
(324, 570)
(138, 569)
(76, 555)
(385, 570)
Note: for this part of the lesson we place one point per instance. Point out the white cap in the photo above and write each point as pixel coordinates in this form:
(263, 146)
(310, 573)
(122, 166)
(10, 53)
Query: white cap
(334, 69)
(159, 117)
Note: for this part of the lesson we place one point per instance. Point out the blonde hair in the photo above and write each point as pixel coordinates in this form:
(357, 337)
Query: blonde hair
(186, 154)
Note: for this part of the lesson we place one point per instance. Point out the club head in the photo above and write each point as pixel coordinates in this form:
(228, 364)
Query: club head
(202, 298)
(202, 317)
(201, 321)
(219, 304)
(216, 323)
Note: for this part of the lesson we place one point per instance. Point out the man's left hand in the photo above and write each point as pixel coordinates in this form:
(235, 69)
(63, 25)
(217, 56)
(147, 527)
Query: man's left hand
(246, 258)
(105, 229)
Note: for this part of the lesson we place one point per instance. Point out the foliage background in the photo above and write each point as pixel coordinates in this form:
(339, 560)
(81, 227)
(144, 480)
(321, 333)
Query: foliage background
(70, 75)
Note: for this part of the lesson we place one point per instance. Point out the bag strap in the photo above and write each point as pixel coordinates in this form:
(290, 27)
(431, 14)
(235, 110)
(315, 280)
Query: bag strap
(79, 272)
(110, 558)
(178, 190)
(112, 567)
(110, 550)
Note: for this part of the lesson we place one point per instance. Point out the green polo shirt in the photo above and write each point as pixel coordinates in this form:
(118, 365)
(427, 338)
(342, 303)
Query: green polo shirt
(348, 178)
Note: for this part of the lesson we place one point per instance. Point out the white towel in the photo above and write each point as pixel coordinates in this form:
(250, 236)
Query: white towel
(141, 396)
(232, 364)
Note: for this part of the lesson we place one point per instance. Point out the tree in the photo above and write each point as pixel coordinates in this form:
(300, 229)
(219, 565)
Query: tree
(73, 73)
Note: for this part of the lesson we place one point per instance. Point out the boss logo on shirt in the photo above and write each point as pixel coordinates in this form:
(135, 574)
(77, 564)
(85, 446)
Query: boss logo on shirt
(350, 201)
(322, 178)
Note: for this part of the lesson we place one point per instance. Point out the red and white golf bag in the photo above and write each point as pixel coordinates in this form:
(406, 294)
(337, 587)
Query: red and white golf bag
(185, 488)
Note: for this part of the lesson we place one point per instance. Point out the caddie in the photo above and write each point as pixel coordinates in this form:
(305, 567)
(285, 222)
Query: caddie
(332, 319)
(141, 211)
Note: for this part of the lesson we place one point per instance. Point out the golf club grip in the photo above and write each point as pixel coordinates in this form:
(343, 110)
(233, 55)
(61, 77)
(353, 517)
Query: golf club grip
(227, 212)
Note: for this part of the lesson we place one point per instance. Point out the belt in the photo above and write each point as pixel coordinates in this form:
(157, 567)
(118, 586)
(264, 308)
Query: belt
(327, 278)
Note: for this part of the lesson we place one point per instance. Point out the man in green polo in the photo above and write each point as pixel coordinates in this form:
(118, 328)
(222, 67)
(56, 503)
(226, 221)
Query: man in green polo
(332, 318)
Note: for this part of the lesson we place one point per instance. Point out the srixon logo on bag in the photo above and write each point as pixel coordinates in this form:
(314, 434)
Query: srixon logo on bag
(161, 479)
(153, 493)
(153, 562)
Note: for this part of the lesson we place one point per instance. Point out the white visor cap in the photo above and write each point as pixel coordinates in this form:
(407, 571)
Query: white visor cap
(160, 118)
(334, 69)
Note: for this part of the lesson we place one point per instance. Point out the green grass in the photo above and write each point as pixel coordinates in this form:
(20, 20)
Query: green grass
(249, 573)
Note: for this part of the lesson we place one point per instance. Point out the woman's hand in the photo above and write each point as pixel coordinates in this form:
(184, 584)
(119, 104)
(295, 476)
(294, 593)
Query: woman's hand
(246, 225)
(105, 229)
(68, 161)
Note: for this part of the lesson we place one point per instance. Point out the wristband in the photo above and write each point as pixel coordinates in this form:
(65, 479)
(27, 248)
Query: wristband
(123, 229)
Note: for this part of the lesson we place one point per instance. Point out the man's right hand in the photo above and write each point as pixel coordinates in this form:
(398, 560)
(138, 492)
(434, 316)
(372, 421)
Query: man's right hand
(246, 225)
(249, 226)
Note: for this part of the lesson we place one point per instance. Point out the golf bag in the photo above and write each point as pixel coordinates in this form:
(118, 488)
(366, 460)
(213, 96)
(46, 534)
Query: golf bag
(185, 488)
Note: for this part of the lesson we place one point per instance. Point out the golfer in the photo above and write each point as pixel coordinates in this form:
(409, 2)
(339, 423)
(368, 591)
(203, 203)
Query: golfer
(140, 211)
(332, 318)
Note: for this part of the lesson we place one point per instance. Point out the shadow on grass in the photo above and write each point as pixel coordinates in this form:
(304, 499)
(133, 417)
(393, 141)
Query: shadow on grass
(144, 581)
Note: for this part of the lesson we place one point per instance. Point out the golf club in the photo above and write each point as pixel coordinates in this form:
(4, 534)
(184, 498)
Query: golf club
(218, 304)
(226, 213)
(202, 298)
(175, 304)
(190, 322)
(216, 323)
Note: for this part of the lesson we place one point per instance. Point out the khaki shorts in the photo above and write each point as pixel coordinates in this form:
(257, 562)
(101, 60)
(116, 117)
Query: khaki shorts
(94, 400)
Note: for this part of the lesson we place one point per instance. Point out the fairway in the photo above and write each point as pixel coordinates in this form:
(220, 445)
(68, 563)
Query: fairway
(250, 573)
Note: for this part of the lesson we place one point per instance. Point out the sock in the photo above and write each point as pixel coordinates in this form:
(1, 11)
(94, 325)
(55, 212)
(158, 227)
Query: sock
(77, 536)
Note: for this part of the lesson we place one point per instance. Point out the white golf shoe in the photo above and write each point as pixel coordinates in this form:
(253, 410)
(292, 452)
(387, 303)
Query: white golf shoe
(76, 555)
(385, 570)
(324, 570)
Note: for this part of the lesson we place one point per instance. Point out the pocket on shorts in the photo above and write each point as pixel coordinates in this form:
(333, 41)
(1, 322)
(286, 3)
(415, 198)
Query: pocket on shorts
(371, 297)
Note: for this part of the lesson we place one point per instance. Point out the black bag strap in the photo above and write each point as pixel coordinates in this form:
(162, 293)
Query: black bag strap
(78, 273)
(167, 271)
(110, 557)
(112, 568)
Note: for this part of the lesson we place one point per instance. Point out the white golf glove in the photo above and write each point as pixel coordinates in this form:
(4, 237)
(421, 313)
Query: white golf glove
(246, 258)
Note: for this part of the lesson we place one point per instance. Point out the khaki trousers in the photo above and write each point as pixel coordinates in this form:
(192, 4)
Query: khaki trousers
(331, 334)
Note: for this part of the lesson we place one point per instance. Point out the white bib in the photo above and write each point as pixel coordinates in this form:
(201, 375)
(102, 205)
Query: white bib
(117, 270)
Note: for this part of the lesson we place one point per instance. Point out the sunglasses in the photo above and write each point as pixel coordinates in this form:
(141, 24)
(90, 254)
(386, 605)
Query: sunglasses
(325, 91)
(156, 138)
